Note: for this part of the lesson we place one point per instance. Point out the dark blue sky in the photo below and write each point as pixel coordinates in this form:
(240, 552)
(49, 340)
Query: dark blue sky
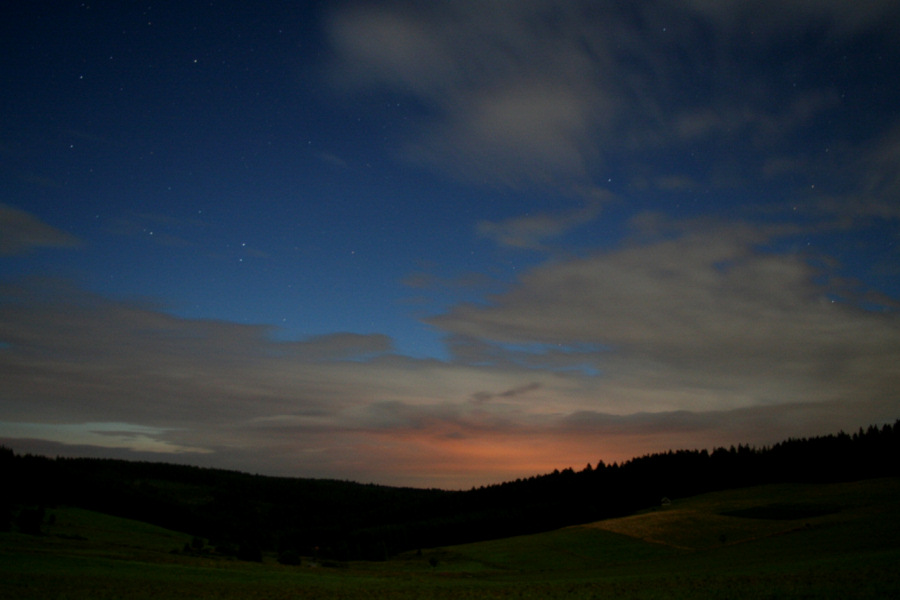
(445, 243)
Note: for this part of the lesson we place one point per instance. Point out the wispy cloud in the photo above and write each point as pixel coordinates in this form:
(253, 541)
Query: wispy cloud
(703, 321)
(509, 102)
(530, 231)
(553, 92)
(230, 390)
(691, 333)
(125, 436)
(21, 232)
(697, 336)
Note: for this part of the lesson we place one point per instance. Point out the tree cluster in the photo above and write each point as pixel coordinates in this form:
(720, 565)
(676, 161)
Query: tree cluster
(244, 515)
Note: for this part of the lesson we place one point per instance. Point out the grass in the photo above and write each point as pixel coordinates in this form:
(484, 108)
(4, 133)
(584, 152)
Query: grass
(786, 541)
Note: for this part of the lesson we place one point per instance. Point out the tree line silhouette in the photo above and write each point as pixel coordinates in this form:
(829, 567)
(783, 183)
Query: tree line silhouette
(242, 515)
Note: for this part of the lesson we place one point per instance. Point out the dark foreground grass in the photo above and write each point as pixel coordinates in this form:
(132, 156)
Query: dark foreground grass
(795, 541)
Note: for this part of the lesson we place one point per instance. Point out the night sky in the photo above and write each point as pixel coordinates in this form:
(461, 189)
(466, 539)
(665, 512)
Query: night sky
(445, 244)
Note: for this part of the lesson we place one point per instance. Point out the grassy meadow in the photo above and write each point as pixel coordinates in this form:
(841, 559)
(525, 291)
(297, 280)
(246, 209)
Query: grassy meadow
(777, 541)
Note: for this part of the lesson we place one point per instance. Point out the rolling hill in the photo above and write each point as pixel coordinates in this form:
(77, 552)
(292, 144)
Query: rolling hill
(809, 540)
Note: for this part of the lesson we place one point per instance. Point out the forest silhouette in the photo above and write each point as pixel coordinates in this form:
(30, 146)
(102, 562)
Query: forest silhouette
(242, 515)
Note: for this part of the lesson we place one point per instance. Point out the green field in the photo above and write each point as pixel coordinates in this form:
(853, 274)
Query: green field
(779, 541)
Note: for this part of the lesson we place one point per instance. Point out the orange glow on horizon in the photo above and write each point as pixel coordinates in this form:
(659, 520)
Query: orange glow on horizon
(464, 461)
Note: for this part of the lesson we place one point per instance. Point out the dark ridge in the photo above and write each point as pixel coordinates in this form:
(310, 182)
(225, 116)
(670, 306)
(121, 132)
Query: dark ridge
(241, 514)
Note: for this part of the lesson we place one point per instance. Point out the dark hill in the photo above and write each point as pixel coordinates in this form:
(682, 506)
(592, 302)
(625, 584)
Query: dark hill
(242, 514)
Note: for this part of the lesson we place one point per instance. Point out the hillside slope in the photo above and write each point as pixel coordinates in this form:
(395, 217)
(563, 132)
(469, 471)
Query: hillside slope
(787, 540)
(346, 520)
(837, 540)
